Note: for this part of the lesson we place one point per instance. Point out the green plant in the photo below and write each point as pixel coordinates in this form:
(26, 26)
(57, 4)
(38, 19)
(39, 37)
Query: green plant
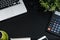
(50, 5)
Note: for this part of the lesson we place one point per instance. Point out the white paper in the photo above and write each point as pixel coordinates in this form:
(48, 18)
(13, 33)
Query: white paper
(20, 38)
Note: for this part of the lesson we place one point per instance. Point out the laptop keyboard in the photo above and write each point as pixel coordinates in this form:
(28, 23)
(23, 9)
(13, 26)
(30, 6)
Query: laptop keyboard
(8, 3)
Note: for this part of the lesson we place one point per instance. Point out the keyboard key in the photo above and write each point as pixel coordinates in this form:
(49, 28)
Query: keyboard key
(7, 3)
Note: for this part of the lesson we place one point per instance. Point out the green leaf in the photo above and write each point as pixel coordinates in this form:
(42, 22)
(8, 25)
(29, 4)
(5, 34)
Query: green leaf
(57, 4)
(50, 5)
(45, 5)
(53, 8)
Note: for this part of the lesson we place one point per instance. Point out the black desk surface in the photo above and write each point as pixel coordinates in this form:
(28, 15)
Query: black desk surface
(31, 24)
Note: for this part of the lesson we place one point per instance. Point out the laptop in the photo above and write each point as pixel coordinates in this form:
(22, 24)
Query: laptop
(11, 8)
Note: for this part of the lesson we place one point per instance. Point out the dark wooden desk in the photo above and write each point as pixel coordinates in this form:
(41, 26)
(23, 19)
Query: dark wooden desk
(31, 24)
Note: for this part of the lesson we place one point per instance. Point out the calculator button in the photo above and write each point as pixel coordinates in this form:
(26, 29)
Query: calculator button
(58, 30)
(49, 28)
(57, 24)
(53, 28)
(54, 31)
(56, 27)
(54, 23)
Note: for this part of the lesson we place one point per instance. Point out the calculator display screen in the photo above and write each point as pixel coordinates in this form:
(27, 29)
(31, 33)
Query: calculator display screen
(57, 13)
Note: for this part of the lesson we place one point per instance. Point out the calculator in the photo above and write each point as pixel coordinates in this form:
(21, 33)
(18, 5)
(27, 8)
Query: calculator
(54, 25)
